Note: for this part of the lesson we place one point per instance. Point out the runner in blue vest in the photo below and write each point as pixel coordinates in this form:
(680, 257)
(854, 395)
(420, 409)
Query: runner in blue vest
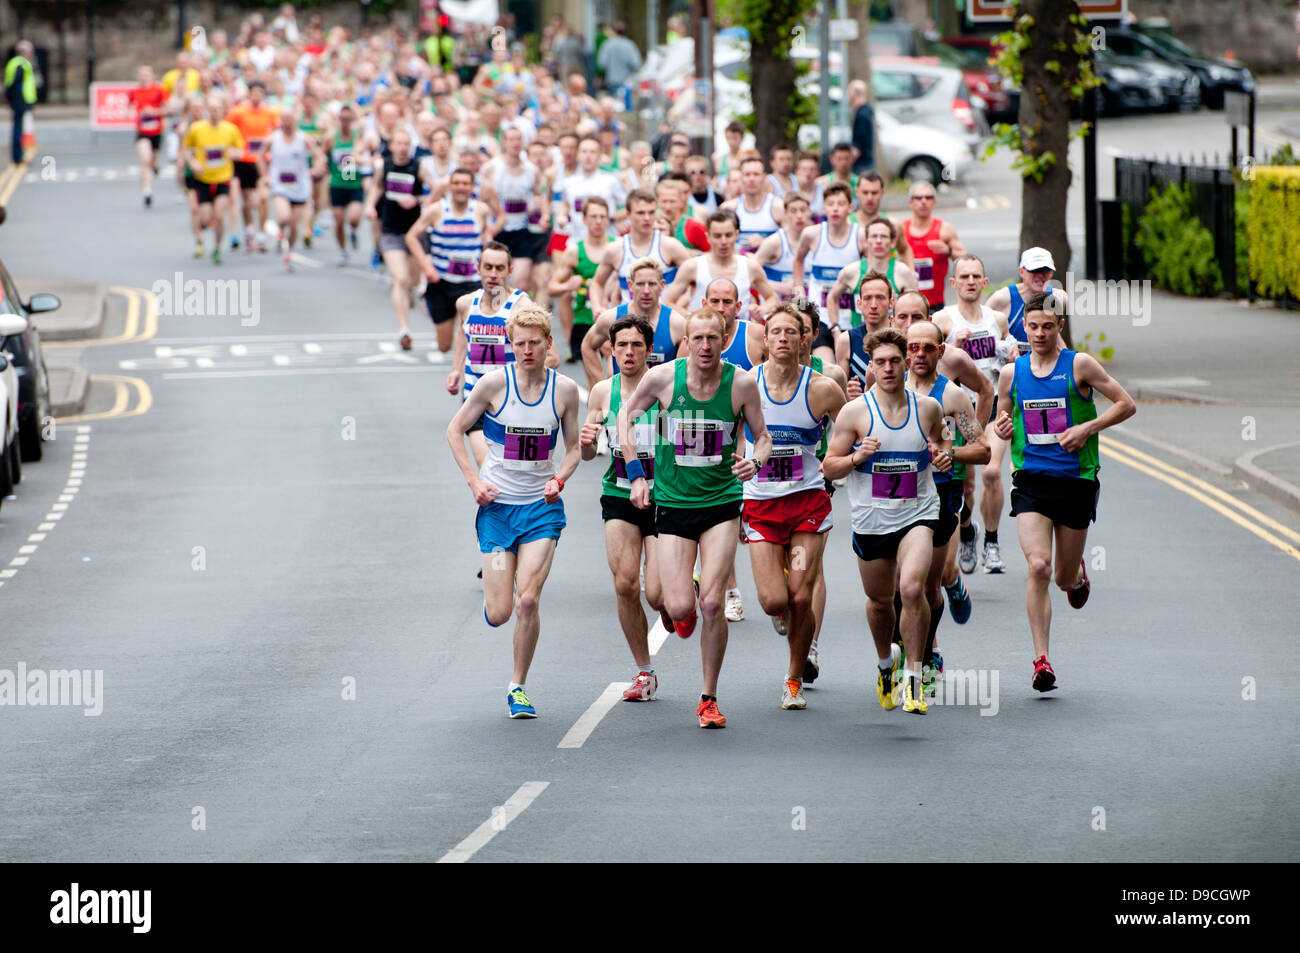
(526, 406)
(1046, 410)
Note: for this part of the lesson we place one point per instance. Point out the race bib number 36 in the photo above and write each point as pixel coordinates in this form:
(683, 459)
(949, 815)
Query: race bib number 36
(783, 470)
(1045, 420)
(527, 448)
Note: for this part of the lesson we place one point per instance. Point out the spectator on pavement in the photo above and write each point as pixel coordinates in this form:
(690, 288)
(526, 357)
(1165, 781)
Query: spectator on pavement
(20, 91)
(864, 120)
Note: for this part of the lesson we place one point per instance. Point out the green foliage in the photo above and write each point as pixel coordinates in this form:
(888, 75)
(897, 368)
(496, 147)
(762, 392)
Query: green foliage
(1241, 221)
(1273, 227)
(1010, 45)
(1104, 352)
(779, 18)
(1178, 249)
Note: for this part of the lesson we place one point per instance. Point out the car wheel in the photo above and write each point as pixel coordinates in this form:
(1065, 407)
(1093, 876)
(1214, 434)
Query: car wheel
(922, 169)
(6, 477)
(29, 439)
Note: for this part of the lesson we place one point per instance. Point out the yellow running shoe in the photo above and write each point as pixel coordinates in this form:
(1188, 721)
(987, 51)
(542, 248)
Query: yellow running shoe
(914, 702)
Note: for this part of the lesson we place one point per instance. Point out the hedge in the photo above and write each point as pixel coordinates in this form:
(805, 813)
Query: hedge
(1274, 229)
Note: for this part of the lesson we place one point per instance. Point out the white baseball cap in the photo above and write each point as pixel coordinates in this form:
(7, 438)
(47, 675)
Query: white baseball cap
(1034, 258)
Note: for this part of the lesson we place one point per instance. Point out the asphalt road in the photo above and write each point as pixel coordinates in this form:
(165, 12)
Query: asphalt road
(282, 528)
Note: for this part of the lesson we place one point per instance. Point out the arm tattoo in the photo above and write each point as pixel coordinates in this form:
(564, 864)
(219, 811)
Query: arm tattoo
(970, 430)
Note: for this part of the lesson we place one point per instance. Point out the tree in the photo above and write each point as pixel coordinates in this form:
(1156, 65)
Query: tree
(1048, 54)
(774, 26)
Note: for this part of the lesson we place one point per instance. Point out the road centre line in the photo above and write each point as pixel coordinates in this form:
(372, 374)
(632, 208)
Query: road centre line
(499, 821)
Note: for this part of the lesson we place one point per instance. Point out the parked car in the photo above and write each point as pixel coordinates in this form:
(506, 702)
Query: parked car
(1154, 41)
(24, 350)
(1133, 83)
(926, 95)
(1002, 99)
(11, 470)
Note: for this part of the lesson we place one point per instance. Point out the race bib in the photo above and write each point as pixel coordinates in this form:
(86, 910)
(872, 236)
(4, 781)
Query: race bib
(1045, 419)
(255, 145)
(514, 208)
(893, 482)
(620, 469)
(699, 443)
(460, 268)
(215, 157)
(1023, 347)
(924, 274)
(487, 349)
(288, 178)
(783, 470)
(527, 448)
(398, 185)
(981, 346)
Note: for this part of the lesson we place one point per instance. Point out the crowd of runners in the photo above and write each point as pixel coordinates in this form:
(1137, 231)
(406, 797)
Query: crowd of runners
(754, 336)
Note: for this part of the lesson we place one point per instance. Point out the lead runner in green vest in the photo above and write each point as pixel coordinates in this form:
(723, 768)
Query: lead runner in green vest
(629, 531)
(697, 473)
(1052, 423)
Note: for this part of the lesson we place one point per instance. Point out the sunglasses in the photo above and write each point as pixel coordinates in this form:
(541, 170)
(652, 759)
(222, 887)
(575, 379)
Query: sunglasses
(917, 347)
(924, 198)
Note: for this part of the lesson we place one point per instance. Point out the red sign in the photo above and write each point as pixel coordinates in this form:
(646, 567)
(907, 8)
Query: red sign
(997, 11)
(110, 106)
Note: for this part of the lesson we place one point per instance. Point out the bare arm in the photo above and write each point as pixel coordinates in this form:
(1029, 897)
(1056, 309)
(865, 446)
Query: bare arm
(758, 282)
(744, 391)
(648, 393)
(461, 351)
(678, 294)
(567, 393)
(1088, 370)
(428, 219)
(592, 343)
(596, 289)
(841, 458)
(976, 448)
(597, 407)
(800, 253)
(489, 388)
(842, 283)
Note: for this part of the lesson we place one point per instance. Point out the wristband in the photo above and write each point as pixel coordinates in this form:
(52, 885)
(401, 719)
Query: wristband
(559, 481)
(634, 470)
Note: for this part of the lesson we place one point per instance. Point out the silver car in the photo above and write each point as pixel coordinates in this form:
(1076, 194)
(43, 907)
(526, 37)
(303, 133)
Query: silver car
(935, 96)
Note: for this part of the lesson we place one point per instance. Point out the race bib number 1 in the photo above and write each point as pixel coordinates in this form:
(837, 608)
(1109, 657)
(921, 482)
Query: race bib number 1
(1045, 420)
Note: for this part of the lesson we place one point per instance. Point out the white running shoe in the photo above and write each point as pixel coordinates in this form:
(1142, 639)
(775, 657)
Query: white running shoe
(735, 608)
(993, 558)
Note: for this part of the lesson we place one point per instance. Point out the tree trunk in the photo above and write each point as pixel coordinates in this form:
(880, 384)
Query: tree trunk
(1045, 126)
(773, 75)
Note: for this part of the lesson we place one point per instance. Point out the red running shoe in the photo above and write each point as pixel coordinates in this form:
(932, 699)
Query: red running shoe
(709, 715)
(1044, 677)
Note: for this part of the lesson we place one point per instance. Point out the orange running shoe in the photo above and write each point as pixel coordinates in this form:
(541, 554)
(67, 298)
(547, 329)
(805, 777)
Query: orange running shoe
(709, 715)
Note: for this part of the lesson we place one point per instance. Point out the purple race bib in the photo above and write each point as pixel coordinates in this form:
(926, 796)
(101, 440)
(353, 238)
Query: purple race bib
(1045, 419)
(893, 481)
(527, 448)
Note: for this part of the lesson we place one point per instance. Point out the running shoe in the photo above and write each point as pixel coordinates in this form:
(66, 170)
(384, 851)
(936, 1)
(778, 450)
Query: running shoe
(993, 558)
(811, 668)
(376, 261)
(912, 701)
(306, 240)
(686, 629)
(886, 687)
(936, 658)
(148, 199)
(709, 716)
(966, 555)
(234, 241)
(665, 619)
(959, 602)
(343, 258)
(643, 689)
(1044, 677)
(286, 260)
(735, 608)
(216, 255)
(781, 624)
(352, 238)
(405, 341)
(792, 696)
(519, 705)
(1079, 594)
(198, 250)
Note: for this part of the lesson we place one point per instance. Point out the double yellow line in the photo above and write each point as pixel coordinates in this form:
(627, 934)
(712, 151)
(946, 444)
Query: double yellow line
(13, 175)
(1265, 527)
(122, 386)
(141, 325)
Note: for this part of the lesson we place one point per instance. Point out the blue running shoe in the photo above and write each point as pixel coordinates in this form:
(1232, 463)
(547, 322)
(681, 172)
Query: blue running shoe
(959, 601)
(519, 705)
(375, 260)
